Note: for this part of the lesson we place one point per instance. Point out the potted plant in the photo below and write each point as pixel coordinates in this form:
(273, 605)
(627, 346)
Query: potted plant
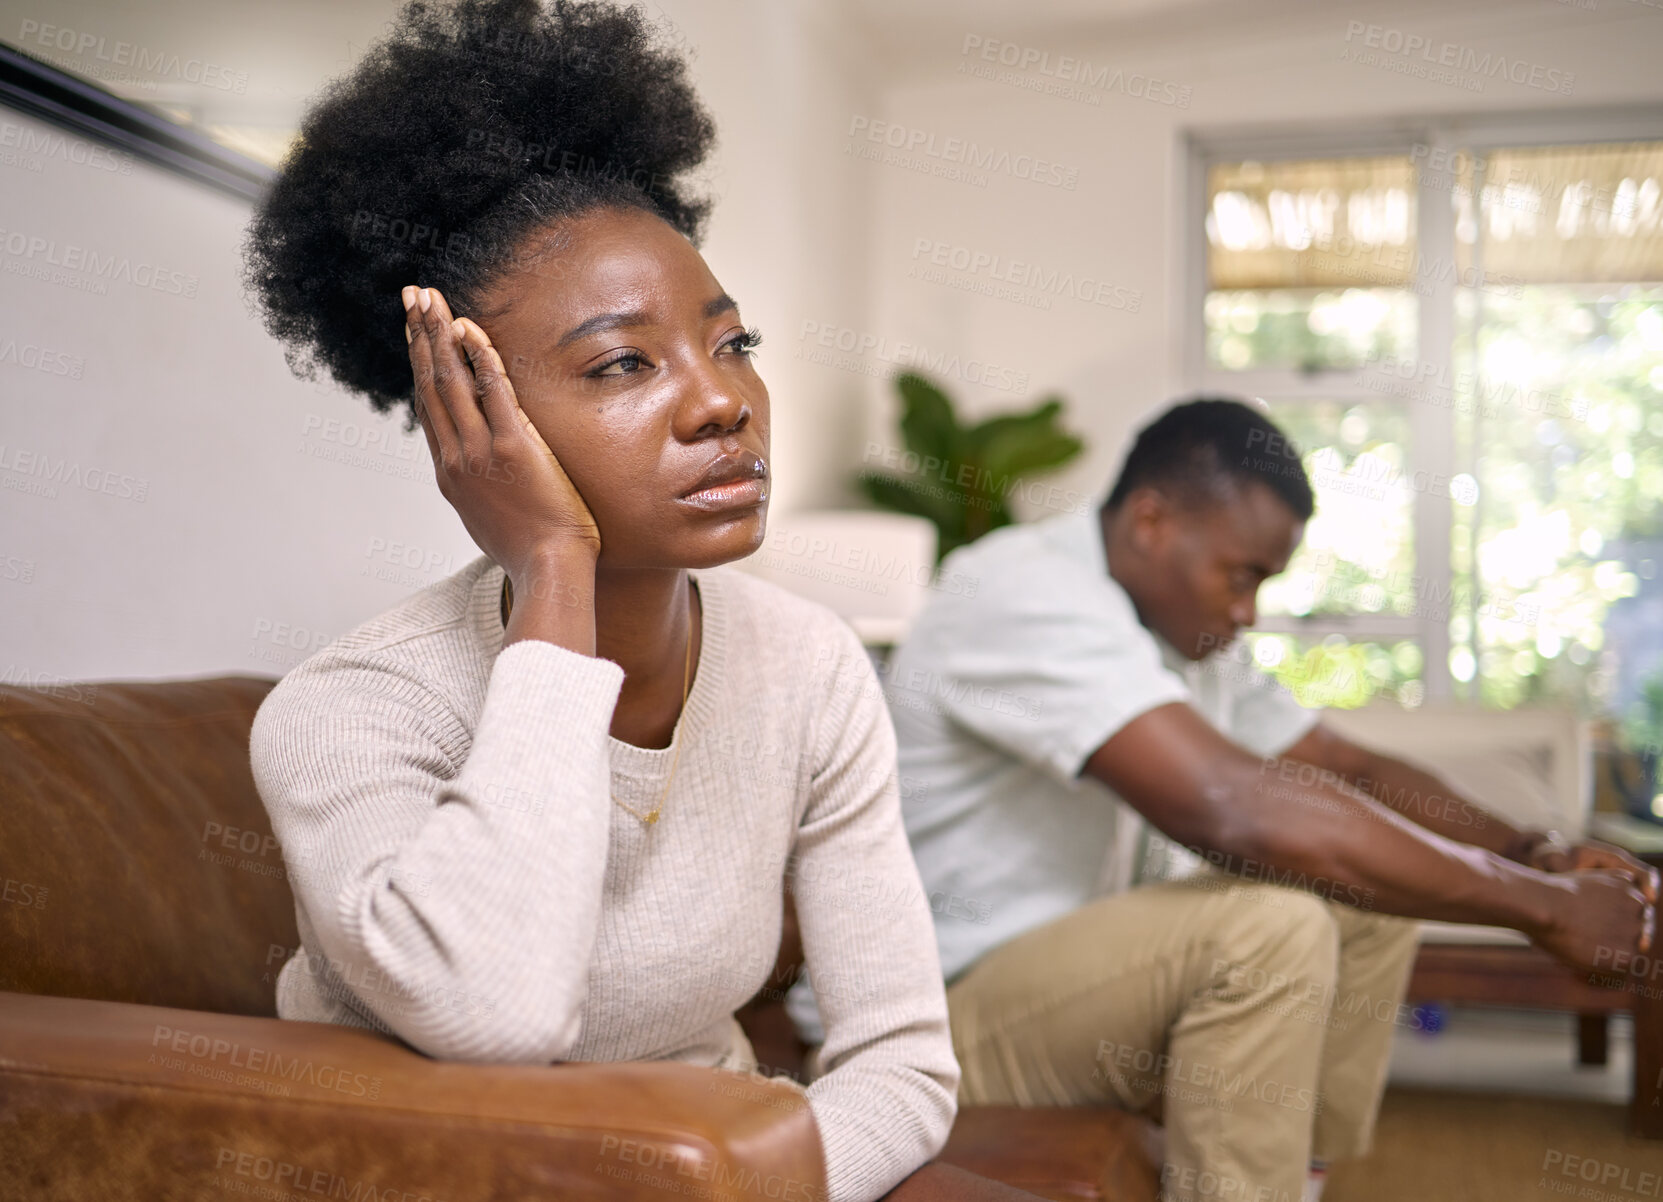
(1641, 739)
(959, 476)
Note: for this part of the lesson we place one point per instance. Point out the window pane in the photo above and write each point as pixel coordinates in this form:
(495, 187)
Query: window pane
(1562, 215)
(1561, 367)
(1308, 328)
(1357, 555)
(1332, 671)
(1309, 263)
(1560, 548)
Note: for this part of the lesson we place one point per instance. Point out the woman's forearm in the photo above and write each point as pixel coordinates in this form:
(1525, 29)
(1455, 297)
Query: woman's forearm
(555, 601)
(425, 888)
(888, 1096)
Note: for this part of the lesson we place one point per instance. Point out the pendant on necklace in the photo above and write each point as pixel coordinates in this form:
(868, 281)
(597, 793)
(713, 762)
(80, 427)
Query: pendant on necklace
(651, 818)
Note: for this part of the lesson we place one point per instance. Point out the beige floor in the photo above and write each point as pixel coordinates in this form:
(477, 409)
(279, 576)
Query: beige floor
(1437, 1146)
(1494, 1109)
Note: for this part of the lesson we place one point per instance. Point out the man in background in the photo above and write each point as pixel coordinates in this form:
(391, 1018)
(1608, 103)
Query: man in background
(1074, 730)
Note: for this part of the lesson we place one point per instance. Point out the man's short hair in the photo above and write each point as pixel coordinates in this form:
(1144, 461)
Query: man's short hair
(1200, 448)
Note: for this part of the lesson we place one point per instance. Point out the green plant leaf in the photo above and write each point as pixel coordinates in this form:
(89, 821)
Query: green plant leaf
(965, 473)
(1014, 445)
(979, 519)
(928, 424)
(991, 429)
(1024, 454)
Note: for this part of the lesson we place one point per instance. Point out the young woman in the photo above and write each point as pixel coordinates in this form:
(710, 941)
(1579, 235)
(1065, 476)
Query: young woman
(544, 809)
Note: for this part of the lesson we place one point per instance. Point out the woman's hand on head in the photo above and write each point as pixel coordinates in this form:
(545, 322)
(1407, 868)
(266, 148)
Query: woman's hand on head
(492, 464)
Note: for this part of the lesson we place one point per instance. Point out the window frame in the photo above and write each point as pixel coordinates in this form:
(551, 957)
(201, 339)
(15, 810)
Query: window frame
(82, 107)
(1431, 427)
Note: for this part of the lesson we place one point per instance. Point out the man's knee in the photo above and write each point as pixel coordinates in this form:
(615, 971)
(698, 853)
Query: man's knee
(1279, 938)
(1387, 927)
(1385, 935)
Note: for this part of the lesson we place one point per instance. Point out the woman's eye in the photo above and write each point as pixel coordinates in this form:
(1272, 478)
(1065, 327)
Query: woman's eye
(625, 364)
(744, 342)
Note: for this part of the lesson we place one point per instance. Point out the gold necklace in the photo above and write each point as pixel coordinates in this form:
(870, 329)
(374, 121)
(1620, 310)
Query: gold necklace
(652, 815)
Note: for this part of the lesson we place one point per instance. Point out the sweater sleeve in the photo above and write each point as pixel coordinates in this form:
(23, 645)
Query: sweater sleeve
(888, 1093)
(426, 879)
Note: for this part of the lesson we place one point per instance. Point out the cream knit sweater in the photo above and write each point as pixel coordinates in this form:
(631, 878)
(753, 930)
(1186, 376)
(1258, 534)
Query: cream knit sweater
(463, 880)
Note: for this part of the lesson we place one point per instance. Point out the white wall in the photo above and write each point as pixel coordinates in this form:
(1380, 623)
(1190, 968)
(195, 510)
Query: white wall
(263, 531)
(1123, 223)
(254, 517)
(238, 503)
(792, 220)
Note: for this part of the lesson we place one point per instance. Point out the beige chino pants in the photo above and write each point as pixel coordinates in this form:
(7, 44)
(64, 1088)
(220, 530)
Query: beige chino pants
(1257, 1019)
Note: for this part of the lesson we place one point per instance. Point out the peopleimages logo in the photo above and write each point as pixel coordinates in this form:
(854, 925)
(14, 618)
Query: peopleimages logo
(1001, 269)
(1452, 56)
(1066, 69)
(37, 358)
(49, 473)
(129, 54)
(35, 251)
(849, 348)
(909, 141)
(1465, 390)
(32, 145)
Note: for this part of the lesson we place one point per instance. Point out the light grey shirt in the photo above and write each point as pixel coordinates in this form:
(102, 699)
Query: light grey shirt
(1006, 683)
(463, 879)
(1001, 694)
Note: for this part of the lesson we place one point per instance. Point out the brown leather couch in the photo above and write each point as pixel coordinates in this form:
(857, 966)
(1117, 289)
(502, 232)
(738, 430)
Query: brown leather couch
(144, 915)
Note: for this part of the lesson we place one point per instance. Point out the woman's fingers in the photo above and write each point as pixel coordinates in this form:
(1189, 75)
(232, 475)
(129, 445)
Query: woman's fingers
(430, 407)
(473, 419)
(453, 379)
(495, 389)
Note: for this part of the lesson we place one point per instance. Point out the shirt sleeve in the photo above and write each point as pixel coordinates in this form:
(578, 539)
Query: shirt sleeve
(888, 1093)
(424, 876)
(1264, 716)
(1046, 667)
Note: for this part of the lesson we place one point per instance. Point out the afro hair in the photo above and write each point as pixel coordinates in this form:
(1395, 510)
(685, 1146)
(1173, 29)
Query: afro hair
(468, 128)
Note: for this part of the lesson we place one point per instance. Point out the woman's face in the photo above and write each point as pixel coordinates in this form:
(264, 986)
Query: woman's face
(631, 362)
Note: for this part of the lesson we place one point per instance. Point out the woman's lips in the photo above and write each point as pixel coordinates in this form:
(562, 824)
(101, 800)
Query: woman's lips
(736, 494)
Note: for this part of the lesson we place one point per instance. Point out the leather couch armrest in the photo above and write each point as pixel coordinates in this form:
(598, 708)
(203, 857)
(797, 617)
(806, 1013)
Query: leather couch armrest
(119, 1100)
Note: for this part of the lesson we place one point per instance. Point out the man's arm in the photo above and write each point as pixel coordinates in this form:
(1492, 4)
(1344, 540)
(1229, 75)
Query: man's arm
(1198, 787)
(1418, 796)
(1429, 801)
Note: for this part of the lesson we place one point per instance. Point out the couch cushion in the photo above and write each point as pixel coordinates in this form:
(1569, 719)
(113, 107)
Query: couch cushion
(1091, 1153)
(1531, 765)
(138, 862)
